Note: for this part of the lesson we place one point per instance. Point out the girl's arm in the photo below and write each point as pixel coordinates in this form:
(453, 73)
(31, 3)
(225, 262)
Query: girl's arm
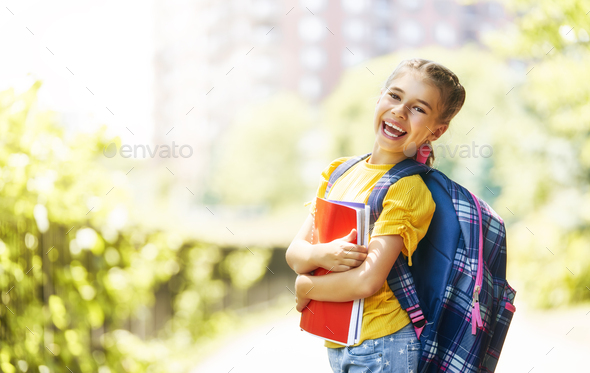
(337, 256)
(360, 282)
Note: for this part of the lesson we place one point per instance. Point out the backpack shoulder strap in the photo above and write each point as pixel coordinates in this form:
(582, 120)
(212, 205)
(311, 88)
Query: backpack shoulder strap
(407, 167)
(400, 279)
(340, 170)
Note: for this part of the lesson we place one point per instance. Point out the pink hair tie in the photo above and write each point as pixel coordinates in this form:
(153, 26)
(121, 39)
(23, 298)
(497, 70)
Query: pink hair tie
(423, 153)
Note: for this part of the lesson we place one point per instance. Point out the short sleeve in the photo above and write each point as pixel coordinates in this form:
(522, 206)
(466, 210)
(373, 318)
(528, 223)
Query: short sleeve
(408, 208)
(324, 179)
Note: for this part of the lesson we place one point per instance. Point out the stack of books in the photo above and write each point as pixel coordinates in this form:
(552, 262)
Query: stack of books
(338, 322)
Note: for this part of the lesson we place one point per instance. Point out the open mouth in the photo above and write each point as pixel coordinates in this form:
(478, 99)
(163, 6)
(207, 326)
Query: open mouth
(392, 131)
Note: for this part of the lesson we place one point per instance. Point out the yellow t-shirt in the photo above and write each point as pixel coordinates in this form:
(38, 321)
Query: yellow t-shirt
(408, 208)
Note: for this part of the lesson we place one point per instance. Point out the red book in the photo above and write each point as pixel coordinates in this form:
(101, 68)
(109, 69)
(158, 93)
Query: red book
(338, 322)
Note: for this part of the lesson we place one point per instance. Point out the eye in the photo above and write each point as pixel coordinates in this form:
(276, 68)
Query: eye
(419, 109)
(394, 96)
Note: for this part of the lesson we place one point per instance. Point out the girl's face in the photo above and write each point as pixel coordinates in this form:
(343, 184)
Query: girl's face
(406, 113)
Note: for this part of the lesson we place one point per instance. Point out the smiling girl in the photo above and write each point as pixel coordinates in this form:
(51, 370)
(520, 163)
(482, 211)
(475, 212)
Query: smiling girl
(416, 105)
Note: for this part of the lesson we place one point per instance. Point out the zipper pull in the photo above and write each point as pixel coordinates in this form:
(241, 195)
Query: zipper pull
(476, 293)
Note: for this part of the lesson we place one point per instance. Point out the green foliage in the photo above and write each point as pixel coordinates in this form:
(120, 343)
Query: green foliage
(73, 281)
(543, 28)
(259, 157)
(545, 168)
(545, 159)
(245, 267)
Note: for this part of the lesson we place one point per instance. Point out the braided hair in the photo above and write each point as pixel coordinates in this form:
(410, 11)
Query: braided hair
(452, 93)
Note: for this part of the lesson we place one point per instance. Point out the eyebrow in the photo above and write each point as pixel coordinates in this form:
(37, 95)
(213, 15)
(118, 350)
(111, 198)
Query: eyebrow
(421, 101)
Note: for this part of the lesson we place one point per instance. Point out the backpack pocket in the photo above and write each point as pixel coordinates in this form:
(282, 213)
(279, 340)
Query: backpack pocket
(502, 322)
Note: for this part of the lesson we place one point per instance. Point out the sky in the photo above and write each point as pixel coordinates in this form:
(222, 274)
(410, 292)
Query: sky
(90, 56)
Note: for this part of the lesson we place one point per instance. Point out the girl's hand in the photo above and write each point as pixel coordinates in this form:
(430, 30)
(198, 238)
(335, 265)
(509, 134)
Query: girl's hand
(301, 292)
(340, 255)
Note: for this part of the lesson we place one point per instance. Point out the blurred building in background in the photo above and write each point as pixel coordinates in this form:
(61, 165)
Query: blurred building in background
(213, 58)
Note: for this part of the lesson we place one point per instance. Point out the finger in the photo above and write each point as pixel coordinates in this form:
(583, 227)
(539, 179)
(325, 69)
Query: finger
(356, 249)
(341, 268)
(361, 249)
(351, 263)
(355, 256)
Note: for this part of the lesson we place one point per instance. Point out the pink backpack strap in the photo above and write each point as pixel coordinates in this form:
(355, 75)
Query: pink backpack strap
(476, 312)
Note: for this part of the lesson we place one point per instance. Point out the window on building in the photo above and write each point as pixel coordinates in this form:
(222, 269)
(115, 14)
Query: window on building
(443, 7)
(469, 35)
(411, 4)
(310, 86)
(263, 8)
(314, 5)
(354, 6)
(470, 10)
(352, 56)
(264, 35)
(383, 38)
(382, 5)
(354, 30)
(311, 28)
(313, 58)
(262, 91)
(411, 32)
(264, 66)
(495, 10)
(445, 34)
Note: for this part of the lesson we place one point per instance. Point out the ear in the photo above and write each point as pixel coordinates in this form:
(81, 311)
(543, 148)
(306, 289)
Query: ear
(438, 132)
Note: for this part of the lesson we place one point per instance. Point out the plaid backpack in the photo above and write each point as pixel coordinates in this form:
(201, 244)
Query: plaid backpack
(455, 292)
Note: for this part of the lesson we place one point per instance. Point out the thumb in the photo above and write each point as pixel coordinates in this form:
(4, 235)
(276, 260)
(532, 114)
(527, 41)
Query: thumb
(352, 233)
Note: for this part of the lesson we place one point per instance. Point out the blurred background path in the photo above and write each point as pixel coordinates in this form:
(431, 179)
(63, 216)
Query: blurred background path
(538, 341)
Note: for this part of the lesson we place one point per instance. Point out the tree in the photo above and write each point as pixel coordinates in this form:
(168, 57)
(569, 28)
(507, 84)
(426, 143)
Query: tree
(258, 159)
(73, 280)
(546, 161)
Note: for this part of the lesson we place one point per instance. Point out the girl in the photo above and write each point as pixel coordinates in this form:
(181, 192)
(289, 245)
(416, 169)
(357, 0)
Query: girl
(415, 107)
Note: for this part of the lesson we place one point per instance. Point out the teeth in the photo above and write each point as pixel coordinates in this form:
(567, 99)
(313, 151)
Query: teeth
(389, 133)
(394, 126)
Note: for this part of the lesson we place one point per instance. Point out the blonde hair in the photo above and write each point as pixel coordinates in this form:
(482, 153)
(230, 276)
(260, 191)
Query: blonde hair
(452, 93)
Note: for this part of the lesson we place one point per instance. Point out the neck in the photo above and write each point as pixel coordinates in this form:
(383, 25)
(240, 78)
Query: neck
(379, 156)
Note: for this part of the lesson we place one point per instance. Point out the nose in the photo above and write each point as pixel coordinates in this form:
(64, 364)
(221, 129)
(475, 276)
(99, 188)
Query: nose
(399, 110)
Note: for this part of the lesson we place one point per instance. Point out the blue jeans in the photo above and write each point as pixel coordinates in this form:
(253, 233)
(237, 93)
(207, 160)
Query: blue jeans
(395, 353)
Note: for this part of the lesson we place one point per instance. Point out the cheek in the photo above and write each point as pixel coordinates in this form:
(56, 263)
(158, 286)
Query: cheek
(419, 126)
(381, 107)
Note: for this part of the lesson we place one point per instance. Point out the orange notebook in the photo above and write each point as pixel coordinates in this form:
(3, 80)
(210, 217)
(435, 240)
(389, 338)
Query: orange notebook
(338, 322)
